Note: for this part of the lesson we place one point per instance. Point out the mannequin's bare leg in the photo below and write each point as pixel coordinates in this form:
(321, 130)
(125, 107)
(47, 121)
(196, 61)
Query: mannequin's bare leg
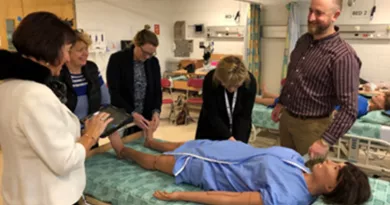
(163, 163)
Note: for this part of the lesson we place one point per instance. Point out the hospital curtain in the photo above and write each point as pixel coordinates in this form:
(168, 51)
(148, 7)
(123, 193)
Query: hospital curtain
(252, 42)
(293, 33)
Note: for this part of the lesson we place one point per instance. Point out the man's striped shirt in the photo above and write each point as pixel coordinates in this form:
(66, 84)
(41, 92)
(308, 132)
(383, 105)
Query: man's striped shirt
(322, 74)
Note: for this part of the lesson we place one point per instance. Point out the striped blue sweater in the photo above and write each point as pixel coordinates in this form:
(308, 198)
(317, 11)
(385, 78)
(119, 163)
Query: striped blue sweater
(80, 86)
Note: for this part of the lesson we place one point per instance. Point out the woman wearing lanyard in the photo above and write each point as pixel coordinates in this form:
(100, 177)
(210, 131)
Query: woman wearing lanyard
(229, 93)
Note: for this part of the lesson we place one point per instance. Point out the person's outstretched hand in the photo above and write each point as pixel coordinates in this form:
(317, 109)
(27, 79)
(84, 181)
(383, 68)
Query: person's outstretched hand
(275, 116)
(318, 150)
(96, 125)
(140, 121)
(155, 122)
(166, 196)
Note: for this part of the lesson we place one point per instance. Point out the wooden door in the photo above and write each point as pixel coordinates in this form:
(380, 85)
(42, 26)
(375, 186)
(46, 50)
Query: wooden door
(9, 15)
(3, 33)
(12, 11)
(65, 9)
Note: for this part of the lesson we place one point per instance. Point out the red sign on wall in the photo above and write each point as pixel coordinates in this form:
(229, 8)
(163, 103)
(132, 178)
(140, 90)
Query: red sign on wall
(157, 29)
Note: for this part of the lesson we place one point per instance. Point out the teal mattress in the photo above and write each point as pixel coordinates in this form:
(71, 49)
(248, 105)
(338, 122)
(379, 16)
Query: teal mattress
(121, 182)
(261, 117)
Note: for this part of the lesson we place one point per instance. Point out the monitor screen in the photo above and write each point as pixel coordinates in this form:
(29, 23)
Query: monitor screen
(199, 28)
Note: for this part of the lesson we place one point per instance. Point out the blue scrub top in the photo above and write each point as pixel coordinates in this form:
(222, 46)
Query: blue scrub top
(276, 172)
(362, 106)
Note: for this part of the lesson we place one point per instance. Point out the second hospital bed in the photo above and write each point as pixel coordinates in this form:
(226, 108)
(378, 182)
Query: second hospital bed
(362, 137)
(261, 118)
(121, 182)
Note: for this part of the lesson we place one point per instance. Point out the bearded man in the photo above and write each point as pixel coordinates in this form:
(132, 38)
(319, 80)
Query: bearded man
(323, 72)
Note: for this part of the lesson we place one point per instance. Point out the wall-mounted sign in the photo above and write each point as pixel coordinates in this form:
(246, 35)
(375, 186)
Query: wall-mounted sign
(157, 29)
(360, 13)
(361, 9)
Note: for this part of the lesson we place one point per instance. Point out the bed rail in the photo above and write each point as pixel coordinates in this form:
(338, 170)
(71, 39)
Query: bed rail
(365, 152)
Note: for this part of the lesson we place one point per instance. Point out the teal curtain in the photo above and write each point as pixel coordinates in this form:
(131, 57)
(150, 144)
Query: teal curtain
(293, 33)
(252, 56)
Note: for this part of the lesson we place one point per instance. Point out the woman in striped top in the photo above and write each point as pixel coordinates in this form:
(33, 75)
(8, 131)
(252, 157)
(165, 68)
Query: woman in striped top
(86, 90)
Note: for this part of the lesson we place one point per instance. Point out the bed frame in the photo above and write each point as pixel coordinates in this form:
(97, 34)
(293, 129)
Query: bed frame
(348, 148)
(101, 149)
(362, 151)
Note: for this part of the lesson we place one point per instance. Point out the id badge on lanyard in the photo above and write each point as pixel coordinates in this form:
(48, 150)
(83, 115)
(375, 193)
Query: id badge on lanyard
(230, 111)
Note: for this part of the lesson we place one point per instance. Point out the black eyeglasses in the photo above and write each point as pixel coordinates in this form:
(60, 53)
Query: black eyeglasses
(146, 54)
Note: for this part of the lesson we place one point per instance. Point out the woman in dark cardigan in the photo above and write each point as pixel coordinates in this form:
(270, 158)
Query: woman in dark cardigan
(134, 81)
(228, 97)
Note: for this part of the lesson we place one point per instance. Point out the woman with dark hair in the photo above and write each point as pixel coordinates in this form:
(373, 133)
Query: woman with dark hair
(134, 80)
(43, 149)
(232, 172)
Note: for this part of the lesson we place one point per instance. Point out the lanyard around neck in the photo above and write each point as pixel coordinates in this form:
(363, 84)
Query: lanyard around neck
(230, 111)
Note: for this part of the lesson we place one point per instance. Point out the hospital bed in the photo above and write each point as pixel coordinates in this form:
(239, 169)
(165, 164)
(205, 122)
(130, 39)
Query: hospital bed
(261, 118)
(122, 182)
(367, 139)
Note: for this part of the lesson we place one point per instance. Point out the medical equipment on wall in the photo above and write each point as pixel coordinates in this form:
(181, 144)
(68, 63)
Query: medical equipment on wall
(351, 2)
(207, 51)
(99, 42)
(373, 11)
(365, 31)
(125, 44)
(226, 32)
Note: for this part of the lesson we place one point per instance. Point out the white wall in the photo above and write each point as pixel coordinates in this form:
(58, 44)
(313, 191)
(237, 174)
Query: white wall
(272, 48)
(121, 19)
(373, 53)
(211, 13)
